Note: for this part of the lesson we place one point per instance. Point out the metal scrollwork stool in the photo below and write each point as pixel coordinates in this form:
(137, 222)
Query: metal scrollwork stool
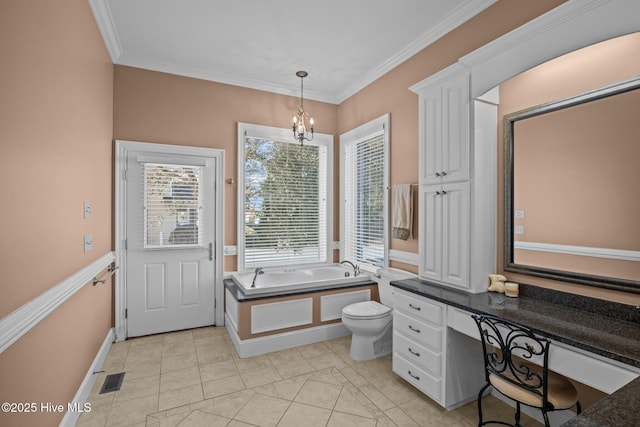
(509, 354)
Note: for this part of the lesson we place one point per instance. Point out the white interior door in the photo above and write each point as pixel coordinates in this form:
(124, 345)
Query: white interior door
(170, 234)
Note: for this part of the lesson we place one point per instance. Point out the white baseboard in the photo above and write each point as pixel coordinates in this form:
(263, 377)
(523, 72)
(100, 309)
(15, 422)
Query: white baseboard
(556, 418)
(71, 417)
(269, 343)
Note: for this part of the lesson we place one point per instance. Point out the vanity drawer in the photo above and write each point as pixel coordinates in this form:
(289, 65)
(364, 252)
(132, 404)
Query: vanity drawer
(418, 331)
(416, 377)
(429, 311)
(417, 354)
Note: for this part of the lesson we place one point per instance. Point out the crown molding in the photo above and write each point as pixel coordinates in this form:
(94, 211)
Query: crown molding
(570, 26)
(107, 28)
(458, 17)
(534, 28)
(222, 77)
(439, 78)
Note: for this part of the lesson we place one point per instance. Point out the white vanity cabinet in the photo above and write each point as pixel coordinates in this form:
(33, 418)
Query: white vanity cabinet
(418, 342)
(446, 367)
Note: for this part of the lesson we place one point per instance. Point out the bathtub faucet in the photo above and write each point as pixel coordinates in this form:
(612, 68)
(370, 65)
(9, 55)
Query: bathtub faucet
(356, 269)
(258, 271)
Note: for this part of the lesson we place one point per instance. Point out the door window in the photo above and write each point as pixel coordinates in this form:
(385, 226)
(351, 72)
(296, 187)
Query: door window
(172, 206)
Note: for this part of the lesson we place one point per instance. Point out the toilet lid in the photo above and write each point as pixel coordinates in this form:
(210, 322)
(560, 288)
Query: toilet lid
(366, 310)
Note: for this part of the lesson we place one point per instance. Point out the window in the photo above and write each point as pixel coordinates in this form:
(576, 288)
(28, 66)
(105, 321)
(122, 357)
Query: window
(364, 179)
(172, 205)
(284, 195)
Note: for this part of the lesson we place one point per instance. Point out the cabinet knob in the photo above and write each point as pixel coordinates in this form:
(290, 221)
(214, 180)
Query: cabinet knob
(437, 174)
(414, 329)
(443, 173)
(413, 376)
(415, 307)
(415, 353)
(444, 192)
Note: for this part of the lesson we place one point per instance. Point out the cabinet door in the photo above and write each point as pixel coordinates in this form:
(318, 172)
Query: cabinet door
(431, 136)
(454, 163)
(444, 132)
(455, 234)
(431, 231)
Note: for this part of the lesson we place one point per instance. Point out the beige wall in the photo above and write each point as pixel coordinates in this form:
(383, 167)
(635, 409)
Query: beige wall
(56, 86)
(162, 108)
(168, 109)
(390, 93)
(574, 73)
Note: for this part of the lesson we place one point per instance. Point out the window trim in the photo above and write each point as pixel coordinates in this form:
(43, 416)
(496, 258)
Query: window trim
(354, 136)
(281, 134)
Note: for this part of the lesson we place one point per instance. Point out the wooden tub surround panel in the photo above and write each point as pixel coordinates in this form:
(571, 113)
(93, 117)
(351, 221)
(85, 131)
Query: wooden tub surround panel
(246, 308)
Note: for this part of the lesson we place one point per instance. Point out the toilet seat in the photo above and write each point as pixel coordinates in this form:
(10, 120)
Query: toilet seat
(366, 310)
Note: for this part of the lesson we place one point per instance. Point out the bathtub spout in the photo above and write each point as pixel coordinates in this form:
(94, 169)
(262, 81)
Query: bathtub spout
(356, 268)
(258, 271)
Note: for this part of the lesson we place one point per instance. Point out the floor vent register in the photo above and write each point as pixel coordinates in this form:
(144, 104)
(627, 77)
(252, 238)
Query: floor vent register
(112, 382)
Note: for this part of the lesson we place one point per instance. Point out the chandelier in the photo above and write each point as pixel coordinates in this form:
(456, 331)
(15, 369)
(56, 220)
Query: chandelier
(299, 128)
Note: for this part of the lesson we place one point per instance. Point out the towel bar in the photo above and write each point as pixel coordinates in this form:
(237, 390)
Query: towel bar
(111, 270)
(413, 185)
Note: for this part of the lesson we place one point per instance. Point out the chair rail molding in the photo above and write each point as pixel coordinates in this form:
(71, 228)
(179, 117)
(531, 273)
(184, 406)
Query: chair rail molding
(405, 257)
(19, 322)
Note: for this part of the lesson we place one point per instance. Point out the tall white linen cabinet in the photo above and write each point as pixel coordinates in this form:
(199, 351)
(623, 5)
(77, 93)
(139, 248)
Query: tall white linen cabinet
(457, 199)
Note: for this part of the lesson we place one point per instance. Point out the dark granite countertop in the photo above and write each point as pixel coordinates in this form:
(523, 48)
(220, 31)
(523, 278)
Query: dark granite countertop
(619, 409)
(556, 315)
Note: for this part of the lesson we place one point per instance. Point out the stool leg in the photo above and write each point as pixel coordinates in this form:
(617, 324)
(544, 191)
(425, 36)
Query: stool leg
(546, 418)
(480, 403)
(517, 414)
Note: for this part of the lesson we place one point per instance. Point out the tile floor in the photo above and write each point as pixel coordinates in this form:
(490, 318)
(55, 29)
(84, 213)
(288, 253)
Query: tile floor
(195, 378)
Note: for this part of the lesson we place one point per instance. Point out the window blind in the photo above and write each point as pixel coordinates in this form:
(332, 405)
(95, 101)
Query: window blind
(172, 205)
(363, 239)
(285, 197)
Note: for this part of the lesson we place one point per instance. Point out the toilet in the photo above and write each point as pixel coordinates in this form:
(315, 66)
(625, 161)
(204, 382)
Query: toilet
(370, 321)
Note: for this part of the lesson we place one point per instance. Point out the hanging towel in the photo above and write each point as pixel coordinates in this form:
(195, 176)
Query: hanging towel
(402, 209)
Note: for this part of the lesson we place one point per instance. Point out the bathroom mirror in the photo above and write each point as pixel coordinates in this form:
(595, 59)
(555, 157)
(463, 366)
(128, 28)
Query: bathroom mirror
(571, 188)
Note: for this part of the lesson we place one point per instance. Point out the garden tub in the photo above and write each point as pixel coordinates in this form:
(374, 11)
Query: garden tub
(272, 282)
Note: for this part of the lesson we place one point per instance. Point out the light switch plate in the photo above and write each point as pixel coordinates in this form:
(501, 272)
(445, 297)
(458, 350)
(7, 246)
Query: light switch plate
(518, 229)
(88, 242)
(518, 214)
(87, 210)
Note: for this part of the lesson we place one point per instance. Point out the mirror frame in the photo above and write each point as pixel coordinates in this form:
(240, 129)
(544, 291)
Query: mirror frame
(624, 285)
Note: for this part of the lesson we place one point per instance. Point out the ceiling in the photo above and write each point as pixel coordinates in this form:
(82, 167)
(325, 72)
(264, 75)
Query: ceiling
(343, 44)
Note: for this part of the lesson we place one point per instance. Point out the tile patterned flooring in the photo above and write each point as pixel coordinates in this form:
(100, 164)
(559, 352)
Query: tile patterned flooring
(195, 378)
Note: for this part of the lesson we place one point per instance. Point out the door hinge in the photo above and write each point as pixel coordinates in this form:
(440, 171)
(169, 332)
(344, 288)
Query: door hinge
(126, 244)
(124, 174)
(126, 313)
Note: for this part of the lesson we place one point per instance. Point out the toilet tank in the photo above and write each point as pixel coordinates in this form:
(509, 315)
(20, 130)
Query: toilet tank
(387, 275)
